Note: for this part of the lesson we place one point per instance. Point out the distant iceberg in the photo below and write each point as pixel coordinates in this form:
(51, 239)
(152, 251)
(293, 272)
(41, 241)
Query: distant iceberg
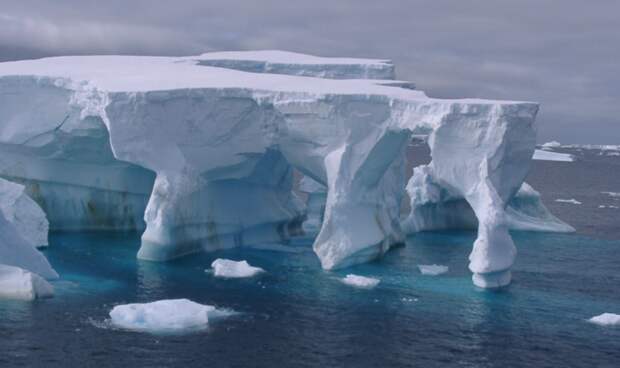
(361, 282)
(552, 156)
(227, 268)
(171, 316)
(551, 144)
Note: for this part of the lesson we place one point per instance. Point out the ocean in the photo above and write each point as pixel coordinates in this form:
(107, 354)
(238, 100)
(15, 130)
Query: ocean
(297, 315)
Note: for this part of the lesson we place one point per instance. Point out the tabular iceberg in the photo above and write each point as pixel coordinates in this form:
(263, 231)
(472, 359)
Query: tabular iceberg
(205, 147)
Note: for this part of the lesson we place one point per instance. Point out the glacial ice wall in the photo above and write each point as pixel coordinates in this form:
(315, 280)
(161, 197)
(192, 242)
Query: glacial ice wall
(218, 145)
(64, 158)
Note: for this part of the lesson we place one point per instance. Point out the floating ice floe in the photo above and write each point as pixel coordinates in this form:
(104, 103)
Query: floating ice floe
(552, 156)
(361, 282)
(19, 284)
(572, 200)
(227, 268)
(433, 269)
(612, 194)
(606, 319)
(607, 206)
(166, 316)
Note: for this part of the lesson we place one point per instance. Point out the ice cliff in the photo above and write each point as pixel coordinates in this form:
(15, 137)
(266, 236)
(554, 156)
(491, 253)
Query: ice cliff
(203, 150)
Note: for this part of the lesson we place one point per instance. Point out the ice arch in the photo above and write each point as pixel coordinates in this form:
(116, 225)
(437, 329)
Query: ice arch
(222, 143)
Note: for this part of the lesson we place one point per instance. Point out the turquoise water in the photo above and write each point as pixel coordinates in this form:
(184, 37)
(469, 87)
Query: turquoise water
(298, 315)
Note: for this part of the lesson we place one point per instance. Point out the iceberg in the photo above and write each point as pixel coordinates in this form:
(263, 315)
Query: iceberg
(199, 152)
(360, 282)
(19, 284)
(172, 316)
(552, 156)
(606, 319)
(23, 227)
(227, 268)
(432, 270)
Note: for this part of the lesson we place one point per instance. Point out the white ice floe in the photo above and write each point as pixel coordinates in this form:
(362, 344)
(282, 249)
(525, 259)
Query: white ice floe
(227, 268)
(608, 206)
(361, 282)
(572, 201)
(606, 319)
(552, 156)
(19, 284)
(166, 316)
(433, 269)
(612, 194)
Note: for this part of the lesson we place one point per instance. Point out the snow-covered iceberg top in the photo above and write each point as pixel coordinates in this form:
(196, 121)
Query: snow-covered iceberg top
(227, 268)
(171, 316)
(292, 63)
(19, 284)
(361, 282)
(23, 227)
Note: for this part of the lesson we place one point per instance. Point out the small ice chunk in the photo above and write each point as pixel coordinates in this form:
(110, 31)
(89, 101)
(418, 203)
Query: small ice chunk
(572, 200)
(552, 156)
(606, 319)
(232, 269)
(433, 269)
(552, 144)
(361, 282)
(19, 284)
(165, 316)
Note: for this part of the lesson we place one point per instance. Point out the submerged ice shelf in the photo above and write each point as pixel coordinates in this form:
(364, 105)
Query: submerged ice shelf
(203, 148)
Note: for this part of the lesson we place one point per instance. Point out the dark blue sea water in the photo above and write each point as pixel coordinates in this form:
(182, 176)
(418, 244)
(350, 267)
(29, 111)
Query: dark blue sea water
(298, 315)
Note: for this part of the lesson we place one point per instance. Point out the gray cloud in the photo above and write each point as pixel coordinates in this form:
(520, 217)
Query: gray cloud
(563, 54)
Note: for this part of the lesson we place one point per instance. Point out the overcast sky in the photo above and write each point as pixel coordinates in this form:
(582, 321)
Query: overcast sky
(564, 54)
